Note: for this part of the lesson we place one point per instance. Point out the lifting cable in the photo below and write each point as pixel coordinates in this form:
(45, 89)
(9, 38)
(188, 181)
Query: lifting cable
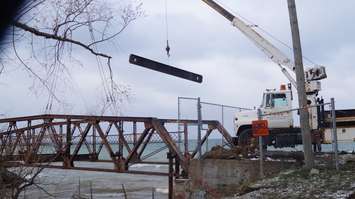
(167, 29)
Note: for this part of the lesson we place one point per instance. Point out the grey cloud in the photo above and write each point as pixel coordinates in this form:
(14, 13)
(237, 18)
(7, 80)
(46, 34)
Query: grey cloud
(235, 71)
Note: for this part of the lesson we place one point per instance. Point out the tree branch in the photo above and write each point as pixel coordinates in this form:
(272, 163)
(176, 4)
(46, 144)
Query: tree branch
(58, 38)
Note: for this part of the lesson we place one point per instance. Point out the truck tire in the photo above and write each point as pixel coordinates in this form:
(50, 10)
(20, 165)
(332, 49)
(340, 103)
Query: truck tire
(244, 137)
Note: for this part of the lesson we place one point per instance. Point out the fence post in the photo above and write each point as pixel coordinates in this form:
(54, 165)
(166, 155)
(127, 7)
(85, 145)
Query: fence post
(179, 128)
(199, 127)
(153, 193)
(94, 151)
(186, 139)
(91, 192)
(335, 136)
(134, 133)
(171, 174)
(79, 191)
(261, 150)
(124, 191)
(222, 107)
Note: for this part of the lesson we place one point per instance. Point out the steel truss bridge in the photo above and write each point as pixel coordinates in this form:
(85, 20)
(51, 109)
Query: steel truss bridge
(41, 140)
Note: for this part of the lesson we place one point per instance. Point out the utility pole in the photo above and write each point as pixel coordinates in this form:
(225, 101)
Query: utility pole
(302, 98)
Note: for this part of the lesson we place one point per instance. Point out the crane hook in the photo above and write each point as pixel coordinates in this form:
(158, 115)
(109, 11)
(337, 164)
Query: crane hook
(167, 48)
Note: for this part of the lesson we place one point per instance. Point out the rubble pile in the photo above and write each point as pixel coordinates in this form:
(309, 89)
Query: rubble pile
(218, 152)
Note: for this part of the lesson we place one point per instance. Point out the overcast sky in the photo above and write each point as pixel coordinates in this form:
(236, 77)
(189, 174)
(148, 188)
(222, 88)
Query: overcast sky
(235, 71)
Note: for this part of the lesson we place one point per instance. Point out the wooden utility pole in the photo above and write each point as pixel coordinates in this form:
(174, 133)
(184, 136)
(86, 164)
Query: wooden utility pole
(302, 98)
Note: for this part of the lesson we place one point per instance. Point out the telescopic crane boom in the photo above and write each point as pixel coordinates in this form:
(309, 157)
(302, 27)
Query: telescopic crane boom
(312, 75)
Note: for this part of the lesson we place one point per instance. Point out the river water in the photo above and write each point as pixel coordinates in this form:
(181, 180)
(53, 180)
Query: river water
(65, 183)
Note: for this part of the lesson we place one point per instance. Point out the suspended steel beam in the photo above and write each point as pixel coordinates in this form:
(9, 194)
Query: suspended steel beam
(163, 68)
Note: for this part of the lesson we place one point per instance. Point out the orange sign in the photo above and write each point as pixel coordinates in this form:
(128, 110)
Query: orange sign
(260, 128)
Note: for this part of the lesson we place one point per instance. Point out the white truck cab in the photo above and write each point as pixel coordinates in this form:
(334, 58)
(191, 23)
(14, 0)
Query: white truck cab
(274, 101)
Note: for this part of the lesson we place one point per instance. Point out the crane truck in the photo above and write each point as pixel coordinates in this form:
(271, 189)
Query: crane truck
(276, 102)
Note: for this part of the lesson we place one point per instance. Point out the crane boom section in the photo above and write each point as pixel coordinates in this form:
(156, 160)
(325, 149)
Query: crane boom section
(269, 49)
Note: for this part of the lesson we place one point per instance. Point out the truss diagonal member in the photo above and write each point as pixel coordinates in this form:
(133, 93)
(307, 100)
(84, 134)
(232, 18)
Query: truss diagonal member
(36, 144)
(6, 137)
(106, 135)
(146, 142)
(17, 140)
(85, 142)
(225, 134)
(82, 138)
(122, 138)
(106, 143)
(54, 137)
(28, 135)
(208, 132)
(164, 135)
(17, 143)
(134, 151)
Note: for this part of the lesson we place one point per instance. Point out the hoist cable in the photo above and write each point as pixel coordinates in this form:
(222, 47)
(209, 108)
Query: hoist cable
(167, 29)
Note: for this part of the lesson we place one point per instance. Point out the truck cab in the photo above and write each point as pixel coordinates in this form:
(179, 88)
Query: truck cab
(274, 101)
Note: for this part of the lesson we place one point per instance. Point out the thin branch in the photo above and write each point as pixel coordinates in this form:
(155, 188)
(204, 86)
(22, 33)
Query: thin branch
(58, 38)
(2, 67)
(110, 37)
(31, 71)
(27, 8)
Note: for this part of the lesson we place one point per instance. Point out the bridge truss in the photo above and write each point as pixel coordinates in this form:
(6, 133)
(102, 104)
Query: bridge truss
(42, 140)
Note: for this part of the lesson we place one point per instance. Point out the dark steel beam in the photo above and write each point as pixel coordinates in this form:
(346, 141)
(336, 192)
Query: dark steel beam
(163, 68)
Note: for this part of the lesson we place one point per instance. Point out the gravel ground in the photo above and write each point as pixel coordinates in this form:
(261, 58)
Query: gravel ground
(322, 182)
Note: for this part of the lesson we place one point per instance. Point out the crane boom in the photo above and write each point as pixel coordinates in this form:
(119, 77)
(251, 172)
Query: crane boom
(313, 74)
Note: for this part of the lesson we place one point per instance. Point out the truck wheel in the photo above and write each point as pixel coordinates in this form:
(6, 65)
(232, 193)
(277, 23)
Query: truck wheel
(244, 137)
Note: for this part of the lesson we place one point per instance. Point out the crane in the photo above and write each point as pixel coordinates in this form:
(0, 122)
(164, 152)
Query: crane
(282, 131)
(312, 75)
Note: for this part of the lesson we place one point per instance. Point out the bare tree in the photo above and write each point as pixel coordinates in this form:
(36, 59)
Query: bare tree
(47, 32)
(15, 178)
